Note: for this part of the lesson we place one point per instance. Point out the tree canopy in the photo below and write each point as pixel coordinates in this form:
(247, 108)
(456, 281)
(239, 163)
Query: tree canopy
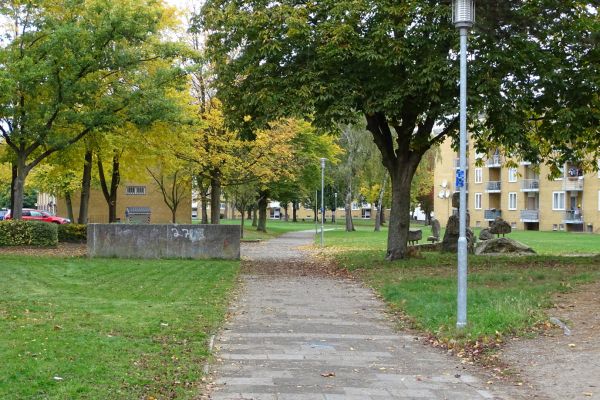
(396, 63)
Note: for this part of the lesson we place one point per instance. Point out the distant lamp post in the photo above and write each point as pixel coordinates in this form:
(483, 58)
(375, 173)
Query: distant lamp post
(463, 16)
(322, 198)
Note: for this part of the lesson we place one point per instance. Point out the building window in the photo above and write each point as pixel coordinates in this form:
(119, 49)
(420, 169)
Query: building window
(513, 225)
(478, 175)
(366, 213)
(512, 201)
(135, 190)
(222, 206)
(478, 201)
(512, 174)
(355, 206)
(558, 201)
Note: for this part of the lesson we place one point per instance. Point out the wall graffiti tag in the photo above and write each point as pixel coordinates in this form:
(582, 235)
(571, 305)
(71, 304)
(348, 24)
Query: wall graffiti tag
(192, 234)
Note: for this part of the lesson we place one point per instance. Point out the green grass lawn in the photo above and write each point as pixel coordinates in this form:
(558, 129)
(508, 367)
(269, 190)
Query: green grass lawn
(108, 328)
(506, 294)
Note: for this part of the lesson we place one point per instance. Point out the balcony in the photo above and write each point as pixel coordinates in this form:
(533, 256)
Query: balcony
(493, 187)
(494, 161)
(530, 185)
(490, 215)
(457, 163)
(530, 215)
(573, 184)
(573, 217)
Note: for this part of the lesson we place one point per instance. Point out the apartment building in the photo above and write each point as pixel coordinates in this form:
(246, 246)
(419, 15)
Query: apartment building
(522, 194)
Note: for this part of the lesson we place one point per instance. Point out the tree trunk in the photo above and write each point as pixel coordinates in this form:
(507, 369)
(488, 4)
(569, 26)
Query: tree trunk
(13, 181)
(19, 188)
(110, 195)
(262, 211)
(249, 213)
(69, 204)
(348, 208)
(86, 182)
(286, 214)
(400, 214)
(255, 216)
(380, 204)
(215, 198)
(294, 211)
(242, 224)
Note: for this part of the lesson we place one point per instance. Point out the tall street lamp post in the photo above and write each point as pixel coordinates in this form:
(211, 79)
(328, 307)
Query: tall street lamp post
(322, 197)
(463, 16)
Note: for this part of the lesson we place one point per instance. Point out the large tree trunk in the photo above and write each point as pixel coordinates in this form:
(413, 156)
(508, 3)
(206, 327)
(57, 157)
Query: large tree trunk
(262, 211)
(294, 211)
(286, 214)
(69, 204)
(348, 208)
(110, 194)
(86, 183)
(215, 198)
(19, 188)
(255, 216)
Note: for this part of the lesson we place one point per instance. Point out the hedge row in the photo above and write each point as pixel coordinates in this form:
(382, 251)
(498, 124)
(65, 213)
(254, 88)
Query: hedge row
(28, 233)
(72, 233)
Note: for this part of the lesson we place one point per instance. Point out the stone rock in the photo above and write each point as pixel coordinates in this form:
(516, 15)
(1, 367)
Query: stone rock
(435, 228)
(500, 227)
(485, 234)
(450, 242)
(503, 245)
(414, 235)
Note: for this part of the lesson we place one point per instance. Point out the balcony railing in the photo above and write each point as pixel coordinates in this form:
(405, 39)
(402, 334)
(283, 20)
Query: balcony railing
(530, 215)
(494, 161)
(490, 215)
(573, 184)
(493, 186)
(530, 185)
(573, 217)
(457, 163)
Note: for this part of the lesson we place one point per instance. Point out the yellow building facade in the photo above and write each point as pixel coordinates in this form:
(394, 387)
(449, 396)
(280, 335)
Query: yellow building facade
(134, 201)
(523, 196)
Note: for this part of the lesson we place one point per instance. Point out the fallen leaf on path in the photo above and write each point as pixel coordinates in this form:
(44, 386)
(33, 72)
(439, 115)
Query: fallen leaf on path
(328, 374)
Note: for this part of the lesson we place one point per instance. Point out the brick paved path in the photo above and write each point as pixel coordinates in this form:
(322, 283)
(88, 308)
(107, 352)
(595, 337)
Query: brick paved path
(309, 338)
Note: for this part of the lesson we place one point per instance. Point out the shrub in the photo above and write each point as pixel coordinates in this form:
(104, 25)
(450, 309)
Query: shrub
(28, 233)
(72, 233)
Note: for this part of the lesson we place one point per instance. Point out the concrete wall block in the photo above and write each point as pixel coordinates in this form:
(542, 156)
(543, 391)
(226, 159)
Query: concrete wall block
(164, 241)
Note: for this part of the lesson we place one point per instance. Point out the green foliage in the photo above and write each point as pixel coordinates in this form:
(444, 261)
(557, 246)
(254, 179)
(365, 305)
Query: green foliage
(28, 233)
(111, 329)
(72, 233)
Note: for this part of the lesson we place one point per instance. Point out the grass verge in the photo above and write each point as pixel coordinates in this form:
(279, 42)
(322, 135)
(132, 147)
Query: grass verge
(108, 328)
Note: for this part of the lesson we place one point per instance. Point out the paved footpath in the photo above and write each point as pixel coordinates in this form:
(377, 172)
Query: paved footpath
(315, 338)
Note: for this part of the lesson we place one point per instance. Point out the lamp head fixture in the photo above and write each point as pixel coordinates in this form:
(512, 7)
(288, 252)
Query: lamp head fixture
(463, 13)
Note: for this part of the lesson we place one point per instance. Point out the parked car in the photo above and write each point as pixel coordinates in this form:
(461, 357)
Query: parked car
(39, 215)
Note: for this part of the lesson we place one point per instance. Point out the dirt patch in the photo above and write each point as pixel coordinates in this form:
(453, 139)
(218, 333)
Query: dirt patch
(62, 250)
(560, 366)
(307, 267)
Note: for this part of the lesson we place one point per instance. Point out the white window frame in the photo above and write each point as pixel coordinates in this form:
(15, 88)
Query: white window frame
(555, 196)
(478, 175)
(512, 195)
(133, 190)
(478, 199)
(512, 175)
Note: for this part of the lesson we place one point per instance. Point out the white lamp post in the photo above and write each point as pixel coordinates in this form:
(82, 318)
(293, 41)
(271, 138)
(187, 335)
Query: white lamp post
(322, 197)
(334, 207)
(463, 16)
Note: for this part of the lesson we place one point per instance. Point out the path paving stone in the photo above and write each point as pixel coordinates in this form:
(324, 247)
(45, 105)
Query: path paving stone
(308, 338)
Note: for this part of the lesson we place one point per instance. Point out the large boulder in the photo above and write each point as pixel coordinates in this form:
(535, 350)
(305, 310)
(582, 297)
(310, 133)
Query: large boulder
(500, 227)
(485, 234)
(450, 242)
(503, 245)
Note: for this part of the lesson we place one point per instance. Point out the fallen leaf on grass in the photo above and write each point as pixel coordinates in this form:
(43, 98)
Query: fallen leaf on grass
(328, 374)
(588, 394)
(572, 345)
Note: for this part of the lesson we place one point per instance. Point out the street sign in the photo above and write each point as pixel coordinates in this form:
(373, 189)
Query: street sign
(460, 178)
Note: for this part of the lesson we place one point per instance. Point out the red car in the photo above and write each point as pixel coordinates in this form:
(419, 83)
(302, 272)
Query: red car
(39, 215)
